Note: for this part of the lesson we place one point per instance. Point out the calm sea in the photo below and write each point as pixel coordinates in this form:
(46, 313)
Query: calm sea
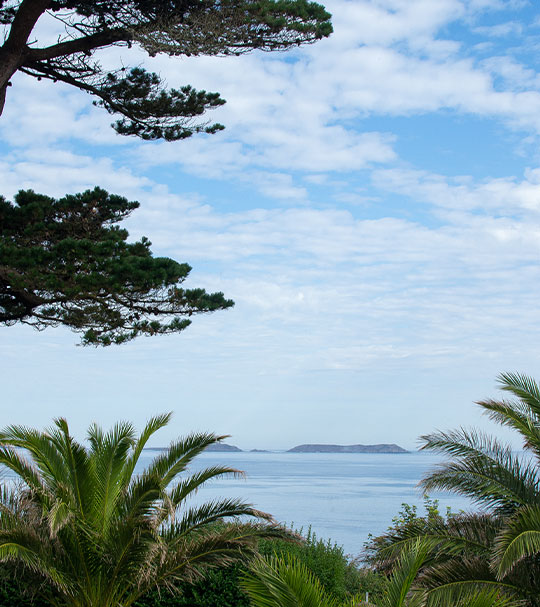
(344, 497)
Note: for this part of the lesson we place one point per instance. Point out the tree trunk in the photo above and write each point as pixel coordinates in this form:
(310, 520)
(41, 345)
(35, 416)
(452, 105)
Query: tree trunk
(9, 64)
(13, 52)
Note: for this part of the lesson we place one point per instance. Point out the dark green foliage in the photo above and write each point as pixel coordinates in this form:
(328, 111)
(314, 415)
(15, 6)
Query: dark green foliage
(339, 577)
(325, 559)
(221, 587)
(66, 262)
(408, 523)
(284, 581)
(17, 589)
(170, 27)
(360, 580)
(141, 94)
(454, 551)
(218, 588)
(493, 555)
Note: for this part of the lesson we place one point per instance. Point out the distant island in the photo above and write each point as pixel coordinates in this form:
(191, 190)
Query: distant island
(381, 448)
(315, 448)
(222, 447)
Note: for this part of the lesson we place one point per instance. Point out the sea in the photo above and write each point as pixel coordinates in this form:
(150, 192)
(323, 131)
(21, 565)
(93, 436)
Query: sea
(341, 497)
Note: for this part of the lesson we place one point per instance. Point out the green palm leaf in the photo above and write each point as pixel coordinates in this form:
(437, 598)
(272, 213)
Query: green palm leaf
(100, 535)
(401, 590)
(482, 469)
(507, 484)
(519, 539)
(284, 582)
(524, 387)
(472, 595)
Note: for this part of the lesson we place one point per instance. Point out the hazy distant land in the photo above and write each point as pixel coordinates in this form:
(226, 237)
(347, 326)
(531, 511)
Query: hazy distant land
(222, 447)
(320, 448)
(380, 448)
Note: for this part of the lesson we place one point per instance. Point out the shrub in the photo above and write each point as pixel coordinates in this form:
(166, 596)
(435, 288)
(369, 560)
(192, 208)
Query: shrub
(325, 559)
(219, 588)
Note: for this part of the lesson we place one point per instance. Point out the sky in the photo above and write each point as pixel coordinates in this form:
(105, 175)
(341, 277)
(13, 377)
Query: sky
(372, 207)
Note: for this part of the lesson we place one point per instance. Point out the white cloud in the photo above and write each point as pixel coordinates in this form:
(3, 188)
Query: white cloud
(514, 74)
(502, 195)
(510, 28)
(420, 272)
(386, 22)
(56, 172)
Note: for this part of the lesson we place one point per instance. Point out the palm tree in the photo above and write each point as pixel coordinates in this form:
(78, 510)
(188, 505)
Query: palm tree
(445, 562)
(496, 552)
(100, 534)
(418, 560)
(493, 476)
(482, 468)
(505, 484)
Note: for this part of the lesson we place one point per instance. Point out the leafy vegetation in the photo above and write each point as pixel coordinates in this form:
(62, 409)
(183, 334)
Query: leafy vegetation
(66, 262)
(487, 558)
(324, 559)
(80, 508)
(98, 535)
(146, 107)
(221, 587)
(284, 582)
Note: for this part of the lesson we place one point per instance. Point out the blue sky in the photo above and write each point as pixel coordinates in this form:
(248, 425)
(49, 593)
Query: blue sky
(372, 207)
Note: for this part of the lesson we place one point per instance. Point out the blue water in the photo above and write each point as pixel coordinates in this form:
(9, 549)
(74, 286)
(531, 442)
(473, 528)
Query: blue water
(343, 497)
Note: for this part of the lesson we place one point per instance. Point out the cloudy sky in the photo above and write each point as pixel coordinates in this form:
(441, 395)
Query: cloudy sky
(373, 208)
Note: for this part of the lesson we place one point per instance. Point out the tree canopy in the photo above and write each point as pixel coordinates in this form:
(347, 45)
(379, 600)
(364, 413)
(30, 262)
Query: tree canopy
(66, 262)
(172, 27)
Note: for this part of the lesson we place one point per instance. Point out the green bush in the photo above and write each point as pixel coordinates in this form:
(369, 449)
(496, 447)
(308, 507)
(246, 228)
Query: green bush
(360, 580)
(407, 523)
(219, 588)
(19, 589)
(340, 578)
(325, 559)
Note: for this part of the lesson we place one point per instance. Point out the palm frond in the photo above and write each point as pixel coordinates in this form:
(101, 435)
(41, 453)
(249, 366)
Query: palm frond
(401, 590)
(196, 517)
(24, 470)
(516, 415)
(472, 595)
(519, 539)
(524, 387)
(482, 469)
(169, 464)
(58, 516)
(152, 426)
(76, 465)
(283, 582)
(189, 487)
(107, 460)
(471, 534)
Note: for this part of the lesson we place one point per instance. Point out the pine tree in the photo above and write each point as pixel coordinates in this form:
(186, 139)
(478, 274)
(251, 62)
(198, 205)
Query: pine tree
(66, 262)
(146, 107)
